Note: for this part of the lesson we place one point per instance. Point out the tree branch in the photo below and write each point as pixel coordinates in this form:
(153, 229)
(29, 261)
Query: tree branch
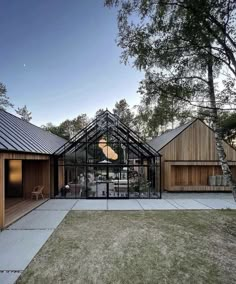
(187, 100)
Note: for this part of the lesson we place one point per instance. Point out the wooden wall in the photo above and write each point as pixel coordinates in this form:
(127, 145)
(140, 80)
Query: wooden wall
(195, 146)
(196, 143)
(61, 176)
(36, 173)
(33, 176)
(193, 175)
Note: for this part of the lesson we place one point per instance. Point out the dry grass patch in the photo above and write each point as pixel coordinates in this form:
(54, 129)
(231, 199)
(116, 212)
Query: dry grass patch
(139, 247)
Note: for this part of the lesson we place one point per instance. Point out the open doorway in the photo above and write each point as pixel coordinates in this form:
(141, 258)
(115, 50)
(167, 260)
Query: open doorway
(21, 177)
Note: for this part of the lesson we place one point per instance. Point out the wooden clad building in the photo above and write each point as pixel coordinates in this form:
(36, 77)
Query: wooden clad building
(26, 153)
(189, 158)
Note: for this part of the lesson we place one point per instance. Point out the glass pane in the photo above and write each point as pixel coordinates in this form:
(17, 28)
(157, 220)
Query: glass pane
(119, 182)
(97, 182)
(75, 178)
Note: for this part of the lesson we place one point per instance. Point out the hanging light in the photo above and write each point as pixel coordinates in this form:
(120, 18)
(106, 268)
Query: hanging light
(107, 150)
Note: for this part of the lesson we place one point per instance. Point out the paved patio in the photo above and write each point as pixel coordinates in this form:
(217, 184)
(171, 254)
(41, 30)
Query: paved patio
(20, 242)
(175, 201)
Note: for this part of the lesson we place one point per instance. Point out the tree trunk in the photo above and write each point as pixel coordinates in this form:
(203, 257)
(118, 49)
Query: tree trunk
(217, 130)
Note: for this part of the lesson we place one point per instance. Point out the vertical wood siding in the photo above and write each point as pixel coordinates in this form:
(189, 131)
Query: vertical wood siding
(195, 145)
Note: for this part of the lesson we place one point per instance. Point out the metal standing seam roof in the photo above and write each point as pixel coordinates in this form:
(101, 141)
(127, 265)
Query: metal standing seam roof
(19, 135)
(160, 141)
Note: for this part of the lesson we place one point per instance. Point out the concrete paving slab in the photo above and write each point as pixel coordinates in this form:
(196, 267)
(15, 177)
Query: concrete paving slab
(58, 204)
(217, 203)
(131, 204)
(90, 205)
(231, 200)
(9, 277)
(188, 204)
(18, 247)
(156, 204)
(40, 219)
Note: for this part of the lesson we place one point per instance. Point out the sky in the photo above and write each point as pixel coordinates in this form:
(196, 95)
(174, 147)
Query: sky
(60, 58)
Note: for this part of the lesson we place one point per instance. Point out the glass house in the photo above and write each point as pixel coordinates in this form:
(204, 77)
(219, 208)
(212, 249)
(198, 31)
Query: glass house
(107, 160)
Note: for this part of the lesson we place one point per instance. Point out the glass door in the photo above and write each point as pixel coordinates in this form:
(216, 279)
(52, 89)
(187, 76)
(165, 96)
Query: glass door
(97, 181)
(107, 181)
(118, 182)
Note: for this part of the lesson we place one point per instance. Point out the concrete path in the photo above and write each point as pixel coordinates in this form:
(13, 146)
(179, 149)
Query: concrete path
(18, 247)
(175, 201)
(20, 242)
(39, 220)
(9, 277)
(129, 204)
(90, 205)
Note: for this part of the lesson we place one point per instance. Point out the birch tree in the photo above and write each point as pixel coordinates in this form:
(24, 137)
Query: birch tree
(187, 45)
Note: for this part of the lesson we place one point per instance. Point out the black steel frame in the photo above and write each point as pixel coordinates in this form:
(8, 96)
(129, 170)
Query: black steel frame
(108, 125)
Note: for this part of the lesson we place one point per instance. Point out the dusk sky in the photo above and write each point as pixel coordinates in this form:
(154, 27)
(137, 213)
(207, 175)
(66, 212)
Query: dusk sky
(60, 58)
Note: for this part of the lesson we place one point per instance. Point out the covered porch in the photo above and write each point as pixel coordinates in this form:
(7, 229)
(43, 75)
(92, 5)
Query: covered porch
(22, 173)
(16, 208)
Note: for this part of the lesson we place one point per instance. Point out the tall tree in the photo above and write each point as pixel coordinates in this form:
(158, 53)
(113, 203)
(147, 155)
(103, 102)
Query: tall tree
(228, 124)
(183, 44)
(123, 111)
(100, 111)
(80, 122)
(163, 110)
(68, 128)
(24, 113)
(4, 99)
(57, 130)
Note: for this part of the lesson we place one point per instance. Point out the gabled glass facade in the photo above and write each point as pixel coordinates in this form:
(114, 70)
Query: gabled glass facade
(107, 160)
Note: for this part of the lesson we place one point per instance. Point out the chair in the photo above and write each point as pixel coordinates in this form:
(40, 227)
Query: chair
(37, 191)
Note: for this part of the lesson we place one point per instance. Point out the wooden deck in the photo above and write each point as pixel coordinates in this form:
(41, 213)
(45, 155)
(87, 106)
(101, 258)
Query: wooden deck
(16, 208)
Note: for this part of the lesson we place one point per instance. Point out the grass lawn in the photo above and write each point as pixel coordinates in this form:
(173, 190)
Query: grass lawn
(139, 247)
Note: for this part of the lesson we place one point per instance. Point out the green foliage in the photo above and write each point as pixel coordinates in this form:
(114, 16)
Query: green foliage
(227, 121)
(24, 113)
(4, 100)
(72, 127)
(154, 32)
(122, 110)
(158, 111)
(228, 124)
(100, 111)
(68, 128)
(173, 43)
(57, 130)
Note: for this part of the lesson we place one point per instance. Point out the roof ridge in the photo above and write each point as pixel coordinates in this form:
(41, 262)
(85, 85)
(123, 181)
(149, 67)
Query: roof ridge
(162, 140)
(185, 124)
